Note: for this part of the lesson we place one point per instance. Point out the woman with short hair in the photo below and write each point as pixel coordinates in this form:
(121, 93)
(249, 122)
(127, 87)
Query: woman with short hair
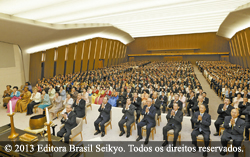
(57, 105)
(45, 102)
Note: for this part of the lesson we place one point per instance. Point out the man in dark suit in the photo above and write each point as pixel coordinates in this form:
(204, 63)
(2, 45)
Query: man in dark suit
(156, 103)
(191, 100)
(176, 100)
(223, 111)
(129, 94)
(234, 129)
(243, 105)
(79, 106)
(164, 99)
(69, 121)
(206, 100)
(136, 101)
(174, 118)
(202, 121)
(127, 118)
(122, 98)
(246, 112)
(149, 112)
(104, 116)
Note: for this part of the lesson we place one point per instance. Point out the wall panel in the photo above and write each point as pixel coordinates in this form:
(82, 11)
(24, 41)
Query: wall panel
(78, 57)
(85, 55)
(60, 60)
(98, 52)
(35, 67)
(49, 63)
(70, 58)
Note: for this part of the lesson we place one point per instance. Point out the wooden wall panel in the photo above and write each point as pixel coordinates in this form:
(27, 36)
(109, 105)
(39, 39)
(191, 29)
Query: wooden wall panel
(92, 53)
(98, 52)
(103, 49)
(240, 45)
(49, 63)
(114, 52)
(60, 60)
(85, 55)
(35, 67)
(70, 58)
(78, 57)
(205, 42)
(107, 53)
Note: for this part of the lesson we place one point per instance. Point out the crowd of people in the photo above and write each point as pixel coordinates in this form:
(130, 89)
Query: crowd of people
(145, 88)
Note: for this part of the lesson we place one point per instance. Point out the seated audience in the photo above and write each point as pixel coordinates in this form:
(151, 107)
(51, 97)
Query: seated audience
(45, 102)
(35, 99)
(79, 106)
(6, 95)
(15, 96)
(21, 104)
(57, 105)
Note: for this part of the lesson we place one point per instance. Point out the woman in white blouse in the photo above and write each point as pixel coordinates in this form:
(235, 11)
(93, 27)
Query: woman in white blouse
(237, 100)
(85, 96)
(182, 99)
(35, 99)
(67, 101)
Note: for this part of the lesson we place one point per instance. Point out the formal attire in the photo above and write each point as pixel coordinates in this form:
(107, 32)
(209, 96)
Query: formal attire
(222, 114)
(246, 112)
(234, 132)
(127, 118)
(242, 107)
(137, 104)
(148, 120)
(6, 97)
(174, 122)
(171, 104)
(69, 124)
(201, 127)
(157, 105)
(103, 117)
(57, 105)
(191, 102)
(79, 108)
(164, 100)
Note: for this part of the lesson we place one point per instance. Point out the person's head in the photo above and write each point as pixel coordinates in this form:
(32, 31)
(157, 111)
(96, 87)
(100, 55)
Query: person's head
(128, 90)
(227, 101)
(128, 101)
(176, 97)
(200, 98)
(68, 108)
(202, 108)
(43, 92)
(181, 94)
(149, 102)
(175, 106)
(51, 86)
(245, 99)
(84, 90)
(79, 95)
(155, 95)
(162, 93)
(26, 89)
(68, 96)
(204, 94)
(235, 113)
(8, 87)
(239, 95)
(35, 90)
(192, 94)
(57, 94)
(135, 95)
(105, 100)
(61, 87)
(15, 88)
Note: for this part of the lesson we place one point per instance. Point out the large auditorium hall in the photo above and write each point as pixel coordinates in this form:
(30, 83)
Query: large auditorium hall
(124, 78)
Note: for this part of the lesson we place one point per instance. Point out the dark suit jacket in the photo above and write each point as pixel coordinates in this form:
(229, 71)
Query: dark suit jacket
(150, 117)
(128, 95)
(196, 108)
(206, 100)
(223, 114)
(129, 114)
(243, 107)
(79, 109)
(192, 101)
(137, 103)
(204, 124)
(178, 102)
(165, 99)
(70, 123)
(157, 105)
(236, 132)
(176, 120)
(105, 113)
(247, 113)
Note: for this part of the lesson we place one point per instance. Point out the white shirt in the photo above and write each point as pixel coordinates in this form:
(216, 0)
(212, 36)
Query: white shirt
(36, 97)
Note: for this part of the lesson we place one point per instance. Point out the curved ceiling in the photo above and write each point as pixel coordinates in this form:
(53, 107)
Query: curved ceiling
(235, 22)
(137, 17)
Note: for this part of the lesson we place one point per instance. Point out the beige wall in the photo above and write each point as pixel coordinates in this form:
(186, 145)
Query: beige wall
(14, 74)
